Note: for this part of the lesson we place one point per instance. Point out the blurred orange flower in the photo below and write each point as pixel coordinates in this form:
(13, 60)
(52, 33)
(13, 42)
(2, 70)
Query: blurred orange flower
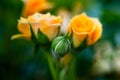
(66, 59)
(84, 27)
(48, 25)
(32, 6)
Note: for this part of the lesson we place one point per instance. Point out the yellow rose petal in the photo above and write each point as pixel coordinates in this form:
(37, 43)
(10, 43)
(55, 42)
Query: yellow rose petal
(82, 23)
(96, 34)
(56, 20)
(24, 28)
(19, 36)
(78, 39)
(51, 32)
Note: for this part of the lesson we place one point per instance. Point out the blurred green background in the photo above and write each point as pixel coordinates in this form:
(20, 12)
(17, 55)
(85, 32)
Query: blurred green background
(17, 61)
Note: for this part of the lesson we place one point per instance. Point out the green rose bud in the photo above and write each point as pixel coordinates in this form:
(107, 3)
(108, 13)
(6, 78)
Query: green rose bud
(60, 46)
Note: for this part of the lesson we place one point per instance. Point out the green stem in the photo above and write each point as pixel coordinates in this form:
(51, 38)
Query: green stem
(72, 69)
(51, 66)
(57, 68)
(71, 74)
(37, 46)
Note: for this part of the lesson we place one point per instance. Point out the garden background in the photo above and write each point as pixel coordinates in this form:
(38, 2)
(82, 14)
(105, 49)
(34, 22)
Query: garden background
(17, 61)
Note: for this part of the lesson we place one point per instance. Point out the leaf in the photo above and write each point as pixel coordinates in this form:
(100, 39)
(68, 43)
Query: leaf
(42, 38)
(33, 36)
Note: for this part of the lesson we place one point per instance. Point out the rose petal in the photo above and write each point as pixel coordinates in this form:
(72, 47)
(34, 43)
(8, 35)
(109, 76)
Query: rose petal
(24, 28)
(78, 39)
(96, 34)
(19, 36)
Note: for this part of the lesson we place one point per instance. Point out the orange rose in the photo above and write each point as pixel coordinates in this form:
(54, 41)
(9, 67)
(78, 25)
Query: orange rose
(84, 27)
(32, 6)
(48, 25)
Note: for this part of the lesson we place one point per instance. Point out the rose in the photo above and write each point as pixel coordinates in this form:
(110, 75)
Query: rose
(32, 6)
(83, 27)
(46, 23)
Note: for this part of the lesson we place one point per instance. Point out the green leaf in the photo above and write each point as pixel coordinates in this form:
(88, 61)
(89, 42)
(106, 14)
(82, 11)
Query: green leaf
(42, 38)
(33, 37)
(62, 74)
